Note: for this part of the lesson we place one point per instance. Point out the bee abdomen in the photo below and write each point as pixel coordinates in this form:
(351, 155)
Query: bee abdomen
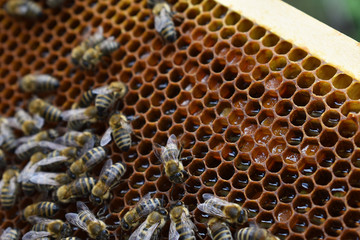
(168, 32)
(116, 171)
(46, 83)
(251, 233)
(39, 227)
(13, 234)
(46, 209)
(86, 99)
(103, 102)
(185, 233)
(151, 204)
(122, 139)
(84, 217)
(52, 114)
(82, 186)
(7, 199)
(93, 154)
(28, 188)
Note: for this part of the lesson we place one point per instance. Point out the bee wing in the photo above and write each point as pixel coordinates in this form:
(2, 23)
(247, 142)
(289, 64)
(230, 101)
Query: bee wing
(12, 122)
(1, 183)
(51, 145)
(36, 219)
(1, 139)
(173, 234)
(27, 172)
(12, 186)
(6, 231)
(32, 235)
(150, 231)
(44, 178)
(106, 166)
(102, 90)
(157, 152)
(51, 160)
(74, 114)
(83, 208)
(39, 121)
(74, 219)
(207, 196)
(106, 138)
(161, 20)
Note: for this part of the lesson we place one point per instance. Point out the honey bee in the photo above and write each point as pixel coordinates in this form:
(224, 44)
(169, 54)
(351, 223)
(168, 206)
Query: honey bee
(54, 3)
(86, 220)
(107, 95)
(2, 159)
(255, 233)
(219, 230)
(163, 21)
(230, 212)
(144, 207)
(79, 188)
(78, 52)
(170, 156)
(84, 140)
(151, 227)
(50, 179)
(34, 235)
(55, 228)
(23, 8)
(108, 46)
(79, 115)
(10, 234)
(181, 226)
(86, 98)
(41, 209)
(109, 178)
(87, 161)
(8, 139)
(67, 155)
(29, 125)
(38, 83)
(8, 188)
(91, 58)
(45, 135)
(45, 110)
(28, 171)
(26, 150)
(121, 130)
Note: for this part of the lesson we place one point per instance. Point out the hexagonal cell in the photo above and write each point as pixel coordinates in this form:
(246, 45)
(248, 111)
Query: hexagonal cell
(207, 116)
(216, 142)
(323, 177)
(352, 218)
(265, 220)
(280, 127)
(335, 99)
(355, 159)
(249, 126)
(220, 125)
(222, 188)
(348, 128)
(314, 233)
(301, 98)
(227, 90)
(193, 185)
(252, 108)
(287, 89)
(325, 72)
(305, 80)
(277, 63)
(242, 162)
(247, 64)
(283, 108)
(289, 174)
(180, 115)
(328, 138)
(254, 190)
(237, 197)
(262, 135)
(264, 56)
(239, 100)
(344, 148)
(209, 178)
(320, 196)
(221, 49)
(310, 147)
(229, 152)
(333, 227)
(316, 108)
(317, 216)
(307, 166)
(232, 134)
(256, 90)
(294, 136)
(269, 99)
(342, 81)
(286, 193)
(274, 163)
(240, 180)
(299, 223)
(226, 171)
(321, 88)
(349, 234)
(268, 201)
(192, 124)
(271, 182)
(331, 118)
(304, 185)
(212, 159)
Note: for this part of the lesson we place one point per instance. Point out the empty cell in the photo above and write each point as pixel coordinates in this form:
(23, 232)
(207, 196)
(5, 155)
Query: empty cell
(352, 219)
(305, 80)
(252, 108)
(317, 216)
(232, 134)
(244, 25)
(229, 152)
(280, 127)
(169, 107)
(232, 18)
(350, 107)
(314, 233)
(216, 142)
(200, 32)
(180, 58)
(268, 201)
(204, 133)
(307, 166)
(247, 64)
(203, 74)
(249, 126)
(238, 40)
(211, 99)
(191, 66)
(153, 60)
(316, 108)
(251, 48)
(326, 158)
(262, 136)
(256, 171)
(321, 88)
(240, 181)
(331, 118)
(292, 71)
(298, 117)
(252, 207)
(227, 32)
(297, 54)
(264, 56)
(274, 163)
(323, 177)
(320, 196)
(243, 81)
(266, 117)
(192, 185)
(218, 65)
(163, 184)
(342, 81)
(164, 123)
(153, 115)
(242, 162)
(344, 148)
(287, 89)
(333, 227)
(209, 178)
(348, 128)
(336, 208)
(207, 116)
(142, 106)
(325, 72)
(299, 223)
(254, 190)
(220, 125)
(192, 13)
(222, 188)
(146, 91)
(183, 42)
(283, 47)
(197, 167)
(257, 32)
(277, 63)
(283, 108)
(215, 25)
(269, 99)
(192, 124)
(236, 117)
(210, 40)
(226, 171)
(200, 150)
(230, 73)
(195, 49)
(227, 90)
(157, 99)
(339, 188)
(304, 185)
(265, 220)
(234, 56)
(256, 90)
(188, 141)
(187, 83)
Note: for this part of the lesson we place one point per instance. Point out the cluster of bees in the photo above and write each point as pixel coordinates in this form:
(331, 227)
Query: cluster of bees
(77, 150)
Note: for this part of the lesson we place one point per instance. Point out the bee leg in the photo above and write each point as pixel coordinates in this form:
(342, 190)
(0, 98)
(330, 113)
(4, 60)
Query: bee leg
(102, 211)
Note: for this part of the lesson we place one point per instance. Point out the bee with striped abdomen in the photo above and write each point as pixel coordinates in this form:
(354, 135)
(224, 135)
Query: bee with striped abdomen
(163, 21)
(38, 83)
(108, 46)
(79, 188)
(41, 209)
(87, 161)
(170, 156)
(86, 99)
(28, 124)
(56, 228)
(231, 212)
(145, 206)
(66, 155)
(28, 171)
(109, 178)
(84, 140)
(10, 234)
(181, 227)
(151, 227)
(45, 110)
(218, 230)
(23, 8)
(255, 233)
(121, 130)
(86, 220)
(80, 116)
(8, 188)
(107, 95)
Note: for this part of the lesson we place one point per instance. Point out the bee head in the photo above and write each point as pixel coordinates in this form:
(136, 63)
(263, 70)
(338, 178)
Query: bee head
(243, 216)
(66, 230)
(96, 200)
(162, 211)
(124, 225)
(179, 177)
(103, 235)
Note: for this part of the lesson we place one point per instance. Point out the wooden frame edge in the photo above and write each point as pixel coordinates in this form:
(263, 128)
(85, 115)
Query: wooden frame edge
(302, 30)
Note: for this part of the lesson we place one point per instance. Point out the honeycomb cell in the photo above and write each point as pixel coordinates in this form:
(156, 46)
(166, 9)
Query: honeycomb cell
(294, 136)
(277, 63)
(348, 234)
(242, 162)
(320, 196)
(307, 166)
(254, 190)
(331, 118)
(333, 227)
(220, 125)
(305, 80)
(249, 126)
(316, 108)
(229, 152)
(351, 218)
(286, 193)
(313, 128)
(323, 177)
(266, 117)
(301, 98)
(341, 81)
(262, 135)
(268, 201)
(347, 128)
(280, 127)
(304, 185)
(239, 100)
(299, 223)
(251, 48)
(252, 108)
(230, 73)
(325, 72)
(344, 148)
(264, 56)
(283, 108)
(336, 99)
(247, 64)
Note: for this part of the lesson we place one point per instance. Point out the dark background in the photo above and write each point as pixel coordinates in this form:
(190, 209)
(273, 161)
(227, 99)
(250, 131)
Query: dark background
(343, 15)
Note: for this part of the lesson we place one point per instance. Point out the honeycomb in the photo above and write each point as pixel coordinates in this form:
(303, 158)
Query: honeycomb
(267, 123)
